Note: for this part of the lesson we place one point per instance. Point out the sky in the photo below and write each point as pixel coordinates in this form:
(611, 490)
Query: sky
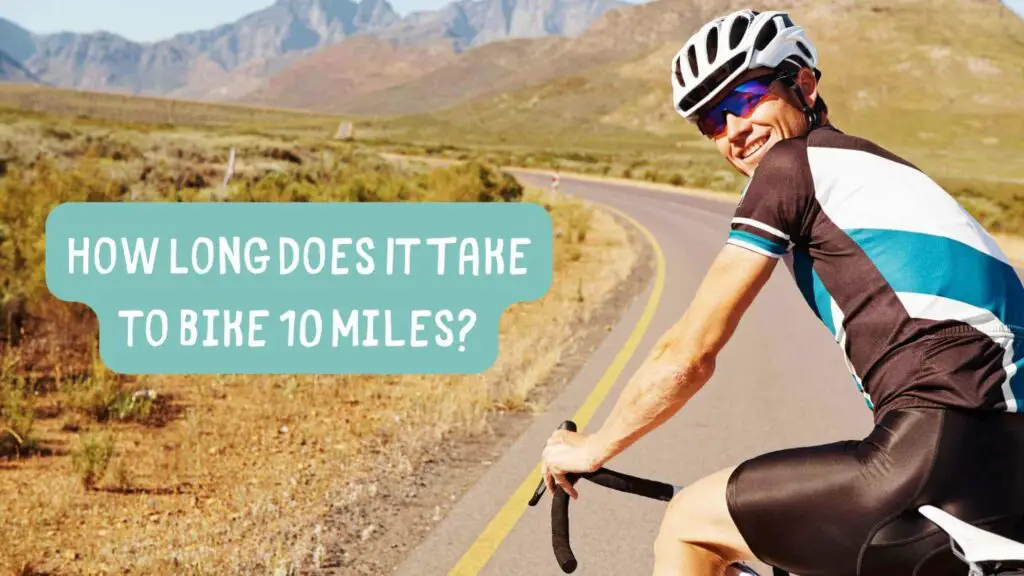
(151, 20)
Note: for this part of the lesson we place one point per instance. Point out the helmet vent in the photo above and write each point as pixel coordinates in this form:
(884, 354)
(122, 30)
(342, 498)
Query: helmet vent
(739, 28)
(679, 71)
(691, 56)
(804, 49)
(698, 92)
(712, 44)
(766, 35)
(787, 21)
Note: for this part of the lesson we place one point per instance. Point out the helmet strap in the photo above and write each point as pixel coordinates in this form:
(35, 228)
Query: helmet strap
(813, 118)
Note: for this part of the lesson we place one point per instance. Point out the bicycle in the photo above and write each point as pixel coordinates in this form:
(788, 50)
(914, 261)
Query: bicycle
(984, 553)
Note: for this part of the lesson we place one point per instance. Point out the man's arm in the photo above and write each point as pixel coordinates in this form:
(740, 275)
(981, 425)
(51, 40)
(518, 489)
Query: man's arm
(683, 360)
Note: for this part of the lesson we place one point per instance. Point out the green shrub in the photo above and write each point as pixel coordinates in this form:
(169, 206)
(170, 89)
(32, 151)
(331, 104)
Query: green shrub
(91, 458)
(471, 182)
(103, 397)
(17, 418)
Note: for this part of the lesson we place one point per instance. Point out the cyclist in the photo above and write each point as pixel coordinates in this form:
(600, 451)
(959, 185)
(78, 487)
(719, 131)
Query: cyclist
(922, 302)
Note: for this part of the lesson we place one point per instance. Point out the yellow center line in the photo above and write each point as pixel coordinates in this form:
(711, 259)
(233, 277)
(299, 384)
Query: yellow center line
(480, 552)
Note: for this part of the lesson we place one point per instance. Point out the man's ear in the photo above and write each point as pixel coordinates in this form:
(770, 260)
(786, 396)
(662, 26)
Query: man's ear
(808, 85)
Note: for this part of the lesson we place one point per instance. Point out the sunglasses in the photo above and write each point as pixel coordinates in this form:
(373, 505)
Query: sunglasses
(740, 102)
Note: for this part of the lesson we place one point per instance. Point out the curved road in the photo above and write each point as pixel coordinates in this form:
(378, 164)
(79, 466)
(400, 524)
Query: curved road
(780, 382)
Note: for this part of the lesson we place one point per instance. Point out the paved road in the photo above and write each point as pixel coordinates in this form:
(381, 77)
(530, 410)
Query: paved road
(780, 382)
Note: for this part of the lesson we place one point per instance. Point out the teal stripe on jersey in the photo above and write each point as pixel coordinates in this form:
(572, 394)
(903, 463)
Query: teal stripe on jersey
(745, 237)
(815, 293)
(929, 264)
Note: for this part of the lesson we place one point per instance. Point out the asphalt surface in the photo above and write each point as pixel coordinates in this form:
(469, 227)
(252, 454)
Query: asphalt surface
(780, 382)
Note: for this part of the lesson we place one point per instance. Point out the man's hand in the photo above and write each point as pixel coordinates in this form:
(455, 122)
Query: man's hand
(568, 452)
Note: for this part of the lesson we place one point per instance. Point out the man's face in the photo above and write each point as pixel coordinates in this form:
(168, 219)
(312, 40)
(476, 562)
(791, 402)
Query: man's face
(747, 139)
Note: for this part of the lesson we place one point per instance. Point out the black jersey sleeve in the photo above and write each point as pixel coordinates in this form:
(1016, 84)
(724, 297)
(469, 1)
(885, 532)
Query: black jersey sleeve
(772, 213)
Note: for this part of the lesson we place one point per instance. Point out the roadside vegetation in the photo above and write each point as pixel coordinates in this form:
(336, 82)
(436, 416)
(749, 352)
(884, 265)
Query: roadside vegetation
(996, 201)
(104, 473)
(972, 155)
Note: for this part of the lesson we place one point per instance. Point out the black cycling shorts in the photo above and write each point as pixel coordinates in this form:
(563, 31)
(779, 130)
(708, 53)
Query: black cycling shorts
(850, 508)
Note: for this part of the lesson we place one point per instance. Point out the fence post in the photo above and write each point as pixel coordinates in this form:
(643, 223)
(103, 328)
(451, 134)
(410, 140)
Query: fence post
(228, 173)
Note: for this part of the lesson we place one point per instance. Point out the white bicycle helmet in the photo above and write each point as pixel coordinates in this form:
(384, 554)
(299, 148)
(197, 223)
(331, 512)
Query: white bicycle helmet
(729, 46)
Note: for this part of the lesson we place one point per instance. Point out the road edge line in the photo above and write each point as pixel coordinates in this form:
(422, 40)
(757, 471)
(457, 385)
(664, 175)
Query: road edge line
(487, 543)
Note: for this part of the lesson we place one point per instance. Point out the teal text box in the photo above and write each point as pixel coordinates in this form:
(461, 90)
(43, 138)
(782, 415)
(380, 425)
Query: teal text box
(298, 288)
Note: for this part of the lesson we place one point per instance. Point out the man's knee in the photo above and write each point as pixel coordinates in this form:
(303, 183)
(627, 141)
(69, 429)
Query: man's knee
(699, 516)
(688, 519)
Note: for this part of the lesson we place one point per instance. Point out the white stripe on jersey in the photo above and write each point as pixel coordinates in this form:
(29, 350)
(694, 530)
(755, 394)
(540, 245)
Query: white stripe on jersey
(891, 196)
(761, 226)
(837, 321)
(929, 307)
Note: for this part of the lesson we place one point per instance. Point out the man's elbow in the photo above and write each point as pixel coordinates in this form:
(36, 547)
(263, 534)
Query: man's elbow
(695, 370)
(690, 356)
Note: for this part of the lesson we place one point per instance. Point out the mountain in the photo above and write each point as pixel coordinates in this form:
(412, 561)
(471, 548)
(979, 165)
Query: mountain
(198, 62)
(620, 36)
(934, 57)
(12, 71)
(614, 73)
(349, 77)
(941, 82)
(15, 41)
(333, 78)
(235, 59)
(617, 31)
(473, 23)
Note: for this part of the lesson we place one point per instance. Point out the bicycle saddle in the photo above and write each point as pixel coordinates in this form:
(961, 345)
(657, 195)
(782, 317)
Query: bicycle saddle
(977, 545)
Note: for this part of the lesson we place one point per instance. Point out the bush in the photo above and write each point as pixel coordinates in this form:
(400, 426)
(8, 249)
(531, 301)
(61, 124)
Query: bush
(104, 399)
(471, 182)
(92, 457)
(17, 417)
(580, 218)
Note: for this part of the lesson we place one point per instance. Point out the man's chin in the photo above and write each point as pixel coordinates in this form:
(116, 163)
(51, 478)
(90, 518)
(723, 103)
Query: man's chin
(747, 166)
(743, 167)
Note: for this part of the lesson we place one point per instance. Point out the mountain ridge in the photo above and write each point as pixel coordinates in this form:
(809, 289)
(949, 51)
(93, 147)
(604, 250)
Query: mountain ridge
(617, 35)
(231, 60)
(12, 71)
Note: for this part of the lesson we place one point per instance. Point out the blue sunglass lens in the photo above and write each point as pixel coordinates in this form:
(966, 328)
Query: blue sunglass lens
(740, 102)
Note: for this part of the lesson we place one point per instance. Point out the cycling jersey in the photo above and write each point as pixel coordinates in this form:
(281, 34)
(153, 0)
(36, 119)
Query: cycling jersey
(923, 303)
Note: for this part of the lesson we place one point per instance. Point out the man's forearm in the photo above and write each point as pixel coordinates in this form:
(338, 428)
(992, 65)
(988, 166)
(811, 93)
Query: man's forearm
(663, 385)
(684, 358)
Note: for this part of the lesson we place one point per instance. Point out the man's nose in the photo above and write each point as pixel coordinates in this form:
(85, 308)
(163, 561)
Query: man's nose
(736, 126)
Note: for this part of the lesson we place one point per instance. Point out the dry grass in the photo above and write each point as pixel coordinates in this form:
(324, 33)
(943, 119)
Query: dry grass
(121, 110)
(232, 474)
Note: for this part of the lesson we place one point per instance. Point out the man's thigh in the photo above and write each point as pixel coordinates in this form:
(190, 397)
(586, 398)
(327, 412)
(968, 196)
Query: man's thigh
(802, 509)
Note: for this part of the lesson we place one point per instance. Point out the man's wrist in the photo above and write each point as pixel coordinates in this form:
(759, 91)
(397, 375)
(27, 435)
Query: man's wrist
(600, 447)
